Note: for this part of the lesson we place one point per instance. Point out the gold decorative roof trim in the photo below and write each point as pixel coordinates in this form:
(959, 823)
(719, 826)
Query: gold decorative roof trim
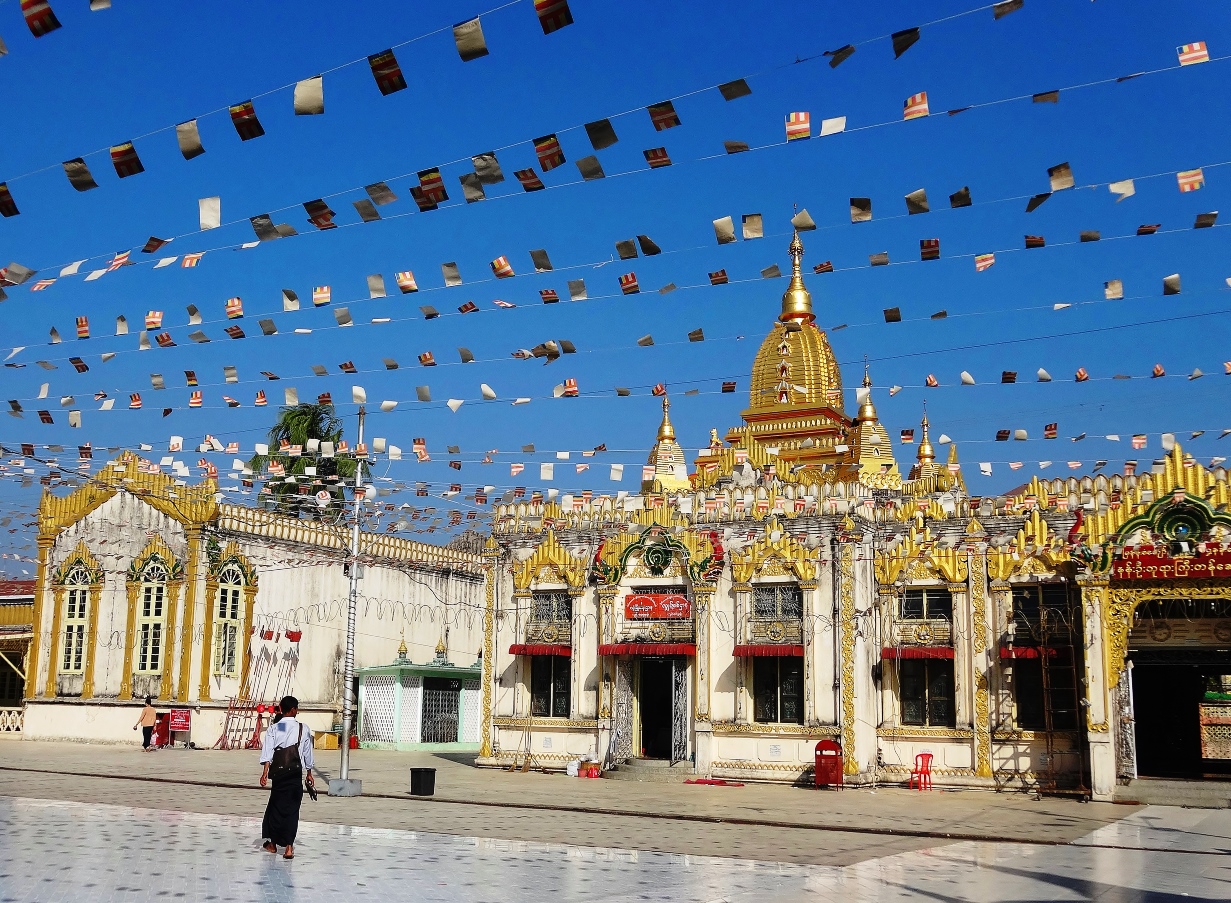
(188, 505)
(917, 556)
(1035, 551)
(232, 553)
(80, 555)
(156, 548)
(550, 562)
(749, 561)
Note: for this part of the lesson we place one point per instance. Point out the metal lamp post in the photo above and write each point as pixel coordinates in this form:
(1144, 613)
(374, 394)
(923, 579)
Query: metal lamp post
(343, 785)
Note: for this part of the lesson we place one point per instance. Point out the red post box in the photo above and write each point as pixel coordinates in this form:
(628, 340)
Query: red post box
(162, 732)
(828, 768)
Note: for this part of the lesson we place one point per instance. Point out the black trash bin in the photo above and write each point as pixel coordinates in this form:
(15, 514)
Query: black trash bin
(423, 781)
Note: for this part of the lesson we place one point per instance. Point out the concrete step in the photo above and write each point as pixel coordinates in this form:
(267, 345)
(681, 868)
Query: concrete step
(1197, 794)
(651, 771)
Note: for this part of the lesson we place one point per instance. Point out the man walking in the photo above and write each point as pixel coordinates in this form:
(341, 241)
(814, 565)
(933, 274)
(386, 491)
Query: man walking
(286, 755)
(146, 722)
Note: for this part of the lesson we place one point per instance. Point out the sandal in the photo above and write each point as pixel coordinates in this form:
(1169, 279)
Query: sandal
(288, 854)
(269, 847)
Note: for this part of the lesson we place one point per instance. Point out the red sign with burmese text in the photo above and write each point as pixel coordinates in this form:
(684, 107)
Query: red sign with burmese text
(1149, 564)
(657, 607)
(181, 720)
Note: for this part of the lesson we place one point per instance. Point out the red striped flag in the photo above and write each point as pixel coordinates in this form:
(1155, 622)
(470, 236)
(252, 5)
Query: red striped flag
(8, 207)
(657, 157)
(1081, 375)
(324, 398)
(387, 72)
(153, 319)
(719, 278)
(798, 125)
(549, 152)
(125, 160)
(984, 261)
(83, 327)
(915, 106)
(1051, 430)
(243, 117)
(231, 402)
(118, 261)
(39, 17)
(1139, 440)
(929, 249)
(41, 285)
(427, 359)
(549, 295)
(1157, 371)
(663, 115)
(320, 295)
(1190, 180)
(433, 185)
(320, 214)
(194, 400)
(659, 389)
(235, 332)
(628, 284)
(1188, 53)
(468, 308)
(235, 308)
(529, 179)
(406, 282)
(191, 260)
(164, 340)
(502, 268)
(134, 400)
(931, 382)
(553, 14)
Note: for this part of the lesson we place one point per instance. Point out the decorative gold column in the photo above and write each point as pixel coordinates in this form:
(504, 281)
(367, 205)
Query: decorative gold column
(91, 638)
(703, 604)
(53, 645)
(204, 686)
(964, 676)
(606, 634)
(133, 590)
(978, 643)
(168, 633)
(245, 635)
(1103, 671)
(491, 573)
(575, 594)
(45, 543)
(807, 589)
(743, 599)
(193, 532)
(846, 618)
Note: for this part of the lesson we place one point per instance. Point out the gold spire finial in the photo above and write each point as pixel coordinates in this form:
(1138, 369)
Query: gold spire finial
(927, 454)
(402, 650)
(666, 431)
(796, 302)
(441, 649)
(867, 411)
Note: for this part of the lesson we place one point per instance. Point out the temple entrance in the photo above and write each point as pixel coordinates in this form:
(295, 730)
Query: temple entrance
(662, 708)
(1182, 714)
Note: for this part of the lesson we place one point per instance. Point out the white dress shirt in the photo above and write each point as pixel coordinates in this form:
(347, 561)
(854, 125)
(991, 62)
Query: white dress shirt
(283, 734)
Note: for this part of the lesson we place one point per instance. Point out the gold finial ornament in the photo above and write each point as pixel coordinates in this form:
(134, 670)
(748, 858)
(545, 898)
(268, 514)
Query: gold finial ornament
(796, 302)
(666, 430)
(440, 646)
(402, 650)
(927, 454)
(867, 411)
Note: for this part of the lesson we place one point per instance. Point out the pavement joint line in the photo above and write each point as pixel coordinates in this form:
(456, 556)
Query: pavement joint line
(664, 816)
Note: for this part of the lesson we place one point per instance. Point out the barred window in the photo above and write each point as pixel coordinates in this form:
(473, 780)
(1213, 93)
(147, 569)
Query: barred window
(553, 606)
(228, 621)
(1043, 612)
(925, 691)
(550, 683)
(777, 601)
(778, 690)
(76, 617)
(151, 617)
(928, 603)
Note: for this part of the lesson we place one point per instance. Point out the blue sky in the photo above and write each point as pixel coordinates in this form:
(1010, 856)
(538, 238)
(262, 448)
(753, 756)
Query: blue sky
(111, 76)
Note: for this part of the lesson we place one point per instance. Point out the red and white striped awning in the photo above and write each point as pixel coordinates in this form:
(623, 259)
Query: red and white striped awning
(780, 650)
(899, 652)
(540, 649)
(648, 649)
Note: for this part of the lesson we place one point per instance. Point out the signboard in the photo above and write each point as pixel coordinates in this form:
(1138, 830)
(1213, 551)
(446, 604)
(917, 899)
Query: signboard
(181, 720)
(1151, 564)
(657, 607)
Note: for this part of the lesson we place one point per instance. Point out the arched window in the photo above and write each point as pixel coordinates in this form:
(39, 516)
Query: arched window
(76, 616)
(151, 611)
(228, 619)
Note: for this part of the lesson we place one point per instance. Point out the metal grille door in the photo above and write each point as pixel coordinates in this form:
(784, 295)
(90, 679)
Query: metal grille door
(378, 698)
(412, 708)
(679, 710)
(622, 742)
(441, 697)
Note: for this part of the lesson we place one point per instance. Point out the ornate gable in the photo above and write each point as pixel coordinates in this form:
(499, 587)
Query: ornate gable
(918, 557)
(1035, 551)
(768, 557)
(550, 563)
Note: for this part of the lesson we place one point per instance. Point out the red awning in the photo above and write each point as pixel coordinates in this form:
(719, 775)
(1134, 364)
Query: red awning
(648, 649)
(780, 650)
(539, 649)
(1011, 652)
(917, 652)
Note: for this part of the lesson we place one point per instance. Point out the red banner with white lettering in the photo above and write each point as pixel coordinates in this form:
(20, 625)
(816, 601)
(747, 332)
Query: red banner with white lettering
(657, 607)
(1151, 564)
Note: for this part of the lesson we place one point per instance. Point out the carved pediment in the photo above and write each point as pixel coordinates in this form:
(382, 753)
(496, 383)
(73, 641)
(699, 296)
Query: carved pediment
(918, 557)
(1034, 551)
(550, 563)
(773, 558)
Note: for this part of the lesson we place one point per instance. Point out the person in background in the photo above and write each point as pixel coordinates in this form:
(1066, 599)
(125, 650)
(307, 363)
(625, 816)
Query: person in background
(286, 755)
(146, 722)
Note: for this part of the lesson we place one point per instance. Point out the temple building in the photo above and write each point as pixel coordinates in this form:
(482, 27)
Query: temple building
(150, 587)
(794, 587)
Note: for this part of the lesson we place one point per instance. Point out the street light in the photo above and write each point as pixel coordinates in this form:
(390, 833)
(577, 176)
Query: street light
(343, 785)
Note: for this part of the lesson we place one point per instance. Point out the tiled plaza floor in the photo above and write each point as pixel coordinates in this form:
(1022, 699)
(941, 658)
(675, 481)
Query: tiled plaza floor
(67, 851)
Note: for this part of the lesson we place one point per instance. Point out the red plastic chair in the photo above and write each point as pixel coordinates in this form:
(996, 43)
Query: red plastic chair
(922, 772)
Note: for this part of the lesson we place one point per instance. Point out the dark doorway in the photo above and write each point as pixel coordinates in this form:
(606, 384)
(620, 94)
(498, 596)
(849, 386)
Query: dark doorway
(1166, 706)
(655, 690)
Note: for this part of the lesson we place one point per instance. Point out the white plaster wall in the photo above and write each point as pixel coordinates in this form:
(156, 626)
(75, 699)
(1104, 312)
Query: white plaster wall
(115, 533)
(724, 668)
